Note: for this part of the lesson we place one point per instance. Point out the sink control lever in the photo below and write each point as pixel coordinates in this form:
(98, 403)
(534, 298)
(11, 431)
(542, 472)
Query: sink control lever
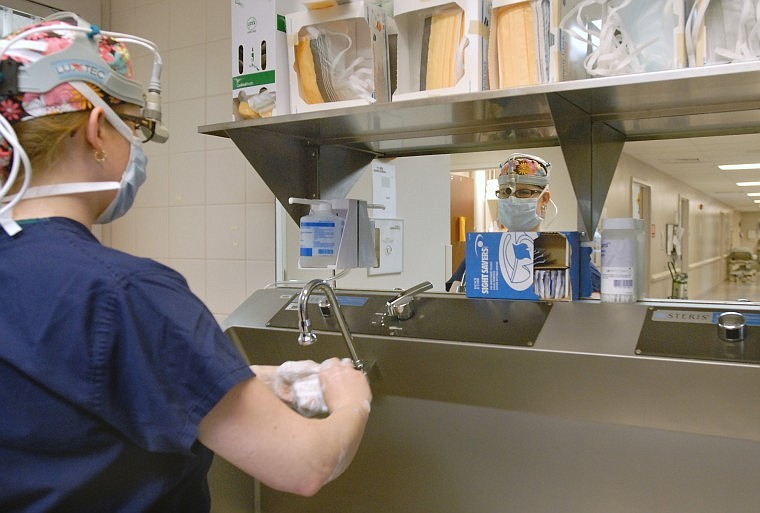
(402, 307)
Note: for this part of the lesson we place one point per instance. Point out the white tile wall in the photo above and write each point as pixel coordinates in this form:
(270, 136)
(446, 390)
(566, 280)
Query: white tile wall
(203, 211)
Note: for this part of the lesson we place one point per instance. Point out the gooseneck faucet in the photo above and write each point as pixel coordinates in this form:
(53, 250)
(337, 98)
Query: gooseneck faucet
(306, 338)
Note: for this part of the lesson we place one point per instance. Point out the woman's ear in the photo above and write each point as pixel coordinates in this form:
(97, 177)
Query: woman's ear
(545, 197)
(94, 128)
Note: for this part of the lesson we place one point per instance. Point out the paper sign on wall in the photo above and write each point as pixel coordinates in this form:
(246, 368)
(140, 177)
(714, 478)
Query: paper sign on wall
(384, 189)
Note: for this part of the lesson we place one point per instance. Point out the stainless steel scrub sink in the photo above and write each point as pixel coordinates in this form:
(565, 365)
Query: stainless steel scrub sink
(574, 421)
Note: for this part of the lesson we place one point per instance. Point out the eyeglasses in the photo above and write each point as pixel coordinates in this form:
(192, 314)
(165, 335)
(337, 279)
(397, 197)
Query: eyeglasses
(506, 191)
(146, 127)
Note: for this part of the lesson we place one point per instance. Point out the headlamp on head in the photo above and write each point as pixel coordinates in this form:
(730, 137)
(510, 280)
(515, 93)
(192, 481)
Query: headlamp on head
(63, 50)
(523, 169)
(64, 64)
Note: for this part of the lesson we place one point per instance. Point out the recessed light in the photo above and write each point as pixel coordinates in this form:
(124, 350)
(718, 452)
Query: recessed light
(753, 194)
(734, 167)
(747, 184)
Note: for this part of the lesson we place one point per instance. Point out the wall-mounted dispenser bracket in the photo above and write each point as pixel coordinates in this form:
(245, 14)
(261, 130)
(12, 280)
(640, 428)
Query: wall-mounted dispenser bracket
(300, 167)
(357, 246)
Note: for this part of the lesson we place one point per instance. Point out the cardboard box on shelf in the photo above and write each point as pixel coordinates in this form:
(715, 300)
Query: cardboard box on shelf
(523, 265)
(259, 61)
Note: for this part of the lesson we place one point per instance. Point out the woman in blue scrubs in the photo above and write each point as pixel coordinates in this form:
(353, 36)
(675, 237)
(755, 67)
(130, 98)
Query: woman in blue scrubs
(116, 383)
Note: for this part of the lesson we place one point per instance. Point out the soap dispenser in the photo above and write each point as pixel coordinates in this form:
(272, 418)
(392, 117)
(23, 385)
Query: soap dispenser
(321, 232)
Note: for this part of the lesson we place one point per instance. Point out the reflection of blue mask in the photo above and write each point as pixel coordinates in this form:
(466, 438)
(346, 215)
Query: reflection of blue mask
(133, 177)
(519, 214)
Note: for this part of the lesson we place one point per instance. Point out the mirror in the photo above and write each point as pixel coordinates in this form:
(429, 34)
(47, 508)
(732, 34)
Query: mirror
(670, 203)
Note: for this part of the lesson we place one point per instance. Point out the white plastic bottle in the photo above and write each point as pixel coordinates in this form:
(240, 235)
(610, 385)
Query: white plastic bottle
(620, 255)
(321, 233)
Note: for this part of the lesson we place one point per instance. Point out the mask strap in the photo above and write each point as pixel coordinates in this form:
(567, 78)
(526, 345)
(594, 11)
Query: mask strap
(549, 220)
(7, 222)
(11, 227)
(60, 189)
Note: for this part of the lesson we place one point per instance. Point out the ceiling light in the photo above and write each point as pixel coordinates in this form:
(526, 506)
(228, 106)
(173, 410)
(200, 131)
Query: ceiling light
(753, 194)
(733, 167)
(747, 184)
(756, 201)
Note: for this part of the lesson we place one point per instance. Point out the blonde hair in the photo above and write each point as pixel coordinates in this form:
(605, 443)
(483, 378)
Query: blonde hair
(44, 138)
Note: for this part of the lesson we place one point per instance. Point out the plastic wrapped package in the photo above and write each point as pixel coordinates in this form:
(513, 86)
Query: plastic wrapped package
(519, 43)
(338, 58)
(328, 66)
(618, 37)
(441, 47)
(723, 31)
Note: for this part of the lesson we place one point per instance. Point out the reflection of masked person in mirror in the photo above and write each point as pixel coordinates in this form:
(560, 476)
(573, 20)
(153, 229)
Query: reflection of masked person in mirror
(523, 198)
(523, 192)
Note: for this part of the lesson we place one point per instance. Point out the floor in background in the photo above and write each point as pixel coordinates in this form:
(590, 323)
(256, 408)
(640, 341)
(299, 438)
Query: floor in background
(733, 291)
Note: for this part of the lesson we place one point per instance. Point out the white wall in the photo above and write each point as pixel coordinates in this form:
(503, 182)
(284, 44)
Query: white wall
(203, 210)
(422, 187)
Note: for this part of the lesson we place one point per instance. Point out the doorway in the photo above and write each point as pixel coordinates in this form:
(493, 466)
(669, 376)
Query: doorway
(462, 216)
(683, 221)
(641, 208)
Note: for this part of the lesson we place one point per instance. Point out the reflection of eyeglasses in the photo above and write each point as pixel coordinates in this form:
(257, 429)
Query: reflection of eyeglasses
(506, 191)
(146, 127)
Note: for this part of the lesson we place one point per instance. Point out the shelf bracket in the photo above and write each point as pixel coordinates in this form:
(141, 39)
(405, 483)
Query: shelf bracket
(297, 167)
(592, 151)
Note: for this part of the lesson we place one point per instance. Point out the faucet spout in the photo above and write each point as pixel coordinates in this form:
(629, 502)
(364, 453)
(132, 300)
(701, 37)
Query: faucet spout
(307, 337)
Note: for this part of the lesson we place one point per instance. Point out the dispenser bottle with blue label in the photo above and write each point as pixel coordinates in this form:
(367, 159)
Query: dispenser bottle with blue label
(321, 232)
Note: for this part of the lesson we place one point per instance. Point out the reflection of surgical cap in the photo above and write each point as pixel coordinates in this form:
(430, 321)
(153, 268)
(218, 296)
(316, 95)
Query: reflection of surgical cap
(527, 169)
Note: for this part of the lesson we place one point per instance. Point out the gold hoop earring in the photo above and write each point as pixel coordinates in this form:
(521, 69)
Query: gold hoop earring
(100, 156)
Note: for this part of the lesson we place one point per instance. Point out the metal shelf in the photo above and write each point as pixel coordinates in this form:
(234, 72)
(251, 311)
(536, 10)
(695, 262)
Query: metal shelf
(320, 153)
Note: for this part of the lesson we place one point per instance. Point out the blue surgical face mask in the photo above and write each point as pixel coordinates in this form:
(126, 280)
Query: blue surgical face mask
(519, 214)
(133, 177)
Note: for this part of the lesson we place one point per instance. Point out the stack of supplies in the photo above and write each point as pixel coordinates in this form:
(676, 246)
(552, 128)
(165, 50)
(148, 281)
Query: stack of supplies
(519, 43)
(441, 47)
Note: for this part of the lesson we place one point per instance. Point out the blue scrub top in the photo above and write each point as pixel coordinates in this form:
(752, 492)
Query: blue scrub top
(107, 364)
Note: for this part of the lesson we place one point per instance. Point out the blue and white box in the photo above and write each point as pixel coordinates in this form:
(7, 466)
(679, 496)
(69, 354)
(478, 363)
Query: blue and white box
(523, 265)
